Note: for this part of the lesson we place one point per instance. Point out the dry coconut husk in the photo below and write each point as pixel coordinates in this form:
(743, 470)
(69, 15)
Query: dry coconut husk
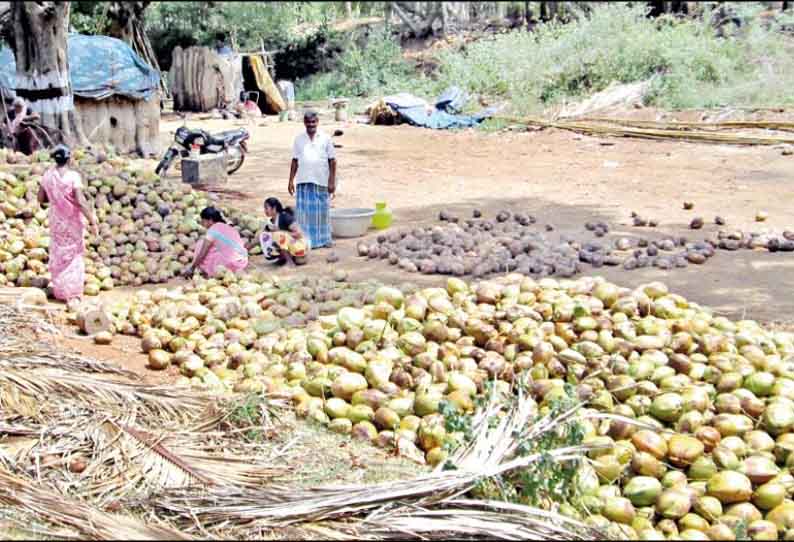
(380, 113)
(93, 320)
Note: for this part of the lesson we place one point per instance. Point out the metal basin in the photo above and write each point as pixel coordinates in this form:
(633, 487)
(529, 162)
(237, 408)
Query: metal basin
(350, 222)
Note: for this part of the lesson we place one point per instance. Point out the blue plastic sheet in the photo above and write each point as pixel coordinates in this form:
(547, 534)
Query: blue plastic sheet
(441, 120)
(452, 100)
(99, 67)
(417, 112)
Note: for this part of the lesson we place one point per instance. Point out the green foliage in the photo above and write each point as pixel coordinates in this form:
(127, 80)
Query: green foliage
(88, 17)
(247, 25)
(310, 54)
(690, 65)
(687, 62)
(549, 478)
(546, 479)
(740, 530)
(249, 413)
(454, 420)
(377, 67)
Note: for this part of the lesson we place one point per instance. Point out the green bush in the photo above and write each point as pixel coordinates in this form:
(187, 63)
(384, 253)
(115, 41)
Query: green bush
(376, 68)
(689, 65)
(618, 43)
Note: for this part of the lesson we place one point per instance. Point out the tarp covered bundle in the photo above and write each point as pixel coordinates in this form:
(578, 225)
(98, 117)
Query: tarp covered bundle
(99, 67)
(443, 115)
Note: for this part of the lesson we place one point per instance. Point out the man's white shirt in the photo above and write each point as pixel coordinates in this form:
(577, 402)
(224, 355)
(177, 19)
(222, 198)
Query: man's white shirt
(313, 156)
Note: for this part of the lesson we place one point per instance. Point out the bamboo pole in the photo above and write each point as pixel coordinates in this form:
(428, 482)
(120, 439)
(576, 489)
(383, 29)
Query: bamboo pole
(699, 136)
(673, 125)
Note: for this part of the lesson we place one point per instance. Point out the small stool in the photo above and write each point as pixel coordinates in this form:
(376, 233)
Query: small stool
(340, 107)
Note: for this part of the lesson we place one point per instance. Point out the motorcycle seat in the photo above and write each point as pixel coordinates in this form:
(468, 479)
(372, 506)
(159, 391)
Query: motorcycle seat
(222, 137)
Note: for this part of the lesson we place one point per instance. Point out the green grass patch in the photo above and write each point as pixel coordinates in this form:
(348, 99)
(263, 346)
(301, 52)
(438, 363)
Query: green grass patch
(689, 64)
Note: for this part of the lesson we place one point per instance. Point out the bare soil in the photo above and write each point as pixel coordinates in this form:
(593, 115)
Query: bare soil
(562, 178)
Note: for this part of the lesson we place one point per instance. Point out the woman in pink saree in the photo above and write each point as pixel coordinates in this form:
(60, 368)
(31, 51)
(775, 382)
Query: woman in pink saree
(62, 188)
(221, 248)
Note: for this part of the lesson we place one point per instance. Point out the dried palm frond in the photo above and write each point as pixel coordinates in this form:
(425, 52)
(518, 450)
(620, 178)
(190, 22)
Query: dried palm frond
(27, 355)
(20, 351)
(25, 523)
(14, 318)
(123, 460)
(493, 452)
(463, 519)
(90, 522)
(186, 459)
(160, 402)
(13, 429)
(156, 465)
(17, 404)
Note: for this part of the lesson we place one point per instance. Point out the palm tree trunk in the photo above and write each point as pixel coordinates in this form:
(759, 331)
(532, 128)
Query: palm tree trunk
(39, 34)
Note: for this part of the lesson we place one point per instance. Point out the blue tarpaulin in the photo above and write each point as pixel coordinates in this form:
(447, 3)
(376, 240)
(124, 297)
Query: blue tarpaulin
(99, 67)
(452, 100)
(441, 120)
(443, 116)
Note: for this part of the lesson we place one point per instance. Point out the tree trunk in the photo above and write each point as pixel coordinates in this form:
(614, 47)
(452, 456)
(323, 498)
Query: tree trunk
(544, 11)
(465, 12)
(42, 65)
(349, 10)
(127, 23)
(387, 13)
(678, 6)
(422, 23)
(554, 10)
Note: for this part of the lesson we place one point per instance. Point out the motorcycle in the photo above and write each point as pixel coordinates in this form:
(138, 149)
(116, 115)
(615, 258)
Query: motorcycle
(232, 143)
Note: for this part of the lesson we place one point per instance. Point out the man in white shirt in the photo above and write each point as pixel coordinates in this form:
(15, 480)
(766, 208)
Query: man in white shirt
(313, 170)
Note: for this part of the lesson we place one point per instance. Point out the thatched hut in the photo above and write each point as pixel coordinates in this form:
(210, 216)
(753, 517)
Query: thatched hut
(201, 79)
(116, 94)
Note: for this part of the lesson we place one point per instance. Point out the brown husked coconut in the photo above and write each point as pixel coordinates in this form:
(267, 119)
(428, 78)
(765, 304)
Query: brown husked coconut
(103, 338)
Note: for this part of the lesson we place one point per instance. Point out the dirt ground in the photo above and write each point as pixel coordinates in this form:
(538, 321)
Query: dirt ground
(562, 178)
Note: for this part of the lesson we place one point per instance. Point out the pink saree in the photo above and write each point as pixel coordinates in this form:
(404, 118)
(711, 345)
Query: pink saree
(228, 250)
(66, 265)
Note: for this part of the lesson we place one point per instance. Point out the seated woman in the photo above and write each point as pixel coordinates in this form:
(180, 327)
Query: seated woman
(282, 238)
(222, 247)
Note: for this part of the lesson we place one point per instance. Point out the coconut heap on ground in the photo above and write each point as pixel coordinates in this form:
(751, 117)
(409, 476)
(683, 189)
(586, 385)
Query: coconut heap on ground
(148, 226)
(482, 246)
(696, 435)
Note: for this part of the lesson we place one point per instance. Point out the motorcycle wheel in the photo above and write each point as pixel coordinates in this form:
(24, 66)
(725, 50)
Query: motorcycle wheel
(164, 164)
(236, 157)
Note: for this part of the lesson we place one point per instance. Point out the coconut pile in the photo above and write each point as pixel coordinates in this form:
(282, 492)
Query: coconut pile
(699, 439)
(147, 226)
(217, 331)
(513, 242)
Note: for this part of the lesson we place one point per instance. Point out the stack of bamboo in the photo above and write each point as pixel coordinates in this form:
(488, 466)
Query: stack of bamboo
(713, 132)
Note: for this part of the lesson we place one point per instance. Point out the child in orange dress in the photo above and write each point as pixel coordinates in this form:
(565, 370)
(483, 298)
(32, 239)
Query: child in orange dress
(282, 238)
